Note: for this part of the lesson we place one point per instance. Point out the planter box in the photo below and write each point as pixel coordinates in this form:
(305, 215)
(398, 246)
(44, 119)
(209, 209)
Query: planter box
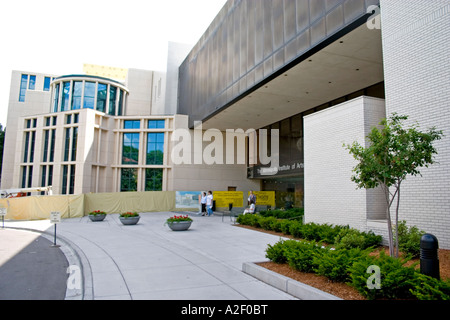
(97, 217)
(180, 225)
(129, 221)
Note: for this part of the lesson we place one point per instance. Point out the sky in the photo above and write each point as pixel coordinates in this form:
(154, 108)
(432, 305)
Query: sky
(58, 37)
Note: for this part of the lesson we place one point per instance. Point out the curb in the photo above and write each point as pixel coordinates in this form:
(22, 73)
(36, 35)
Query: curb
(285, 284)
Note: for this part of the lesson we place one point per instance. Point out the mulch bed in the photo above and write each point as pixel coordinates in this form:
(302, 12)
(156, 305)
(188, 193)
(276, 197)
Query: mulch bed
(340, 290)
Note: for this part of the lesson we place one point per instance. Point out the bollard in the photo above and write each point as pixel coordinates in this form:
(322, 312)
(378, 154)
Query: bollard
(429, 259)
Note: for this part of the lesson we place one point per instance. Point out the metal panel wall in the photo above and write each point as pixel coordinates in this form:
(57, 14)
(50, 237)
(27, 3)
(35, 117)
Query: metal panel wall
(250, 41)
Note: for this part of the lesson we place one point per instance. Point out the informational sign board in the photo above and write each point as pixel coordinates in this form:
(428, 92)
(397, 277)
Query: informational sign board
(264, 198)
(223, 198)
(3, 212)
(55, 217)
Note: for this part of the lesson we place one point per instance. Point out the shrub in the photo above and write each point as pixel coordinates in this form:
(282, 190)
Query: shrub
(301, 256)
(409, 239)
(335, 264)
(294, 214)
(276, 253)
(296, 229)
(396, 279)
(428, 288)
(352, 238)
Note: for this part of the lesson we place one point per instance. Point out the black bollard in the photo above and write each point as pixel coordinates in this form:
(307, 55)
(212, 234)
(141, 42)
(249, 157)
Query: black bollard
(429, 259)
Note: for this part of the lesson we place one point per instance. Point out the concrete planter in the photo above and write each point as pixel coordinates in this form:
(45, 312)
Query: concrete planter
(129, 221)
(179, 225)
(97, 217)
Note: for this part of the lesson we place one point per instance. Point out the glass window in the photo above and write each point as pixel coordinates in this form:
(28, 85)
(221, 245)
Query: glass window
(23, 87)
(56, 98)
(74, 143)
(120, 111)
(67, 145)
(27, 143)
(156, 124)
(89, 95)
(64, 179)
(155, 148)
(52, 145)
(46, 83)
(128, 181)
(132, 124)
(33, 141)
(130, 151)
(32, 83)
(112, 100)
(76, 95)
(153, 179)
(72, 180)
(46, 141)
(101, 97)
(65, 96)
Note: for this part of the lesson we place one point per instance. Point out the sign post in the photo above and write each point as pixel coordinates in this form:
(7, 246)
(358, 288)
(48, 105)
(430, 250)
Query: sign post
(3, 212)
(55, 218)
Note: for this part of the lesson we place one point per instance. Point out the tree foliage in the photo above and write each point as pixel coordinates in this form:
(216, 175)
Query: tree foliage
(393, 153)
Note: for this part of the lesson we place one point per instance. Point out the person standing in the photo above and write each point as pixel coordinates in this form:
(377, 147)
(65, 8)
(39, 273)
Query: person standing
(209, 203)
(203, 203)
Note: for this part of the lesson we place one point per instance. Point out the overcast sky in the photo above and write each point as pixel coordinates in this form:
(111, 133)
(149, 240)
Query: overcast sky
(58, 37)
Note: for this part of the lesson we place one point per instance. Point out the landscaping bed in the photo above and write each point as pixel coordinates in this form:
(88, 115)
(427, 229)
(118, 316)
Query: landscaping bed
(340, 269)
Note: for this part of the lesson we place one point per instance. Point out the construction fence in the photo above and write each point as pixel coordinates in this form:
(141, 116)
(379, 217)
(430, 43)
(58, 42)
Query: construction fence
(77, 206)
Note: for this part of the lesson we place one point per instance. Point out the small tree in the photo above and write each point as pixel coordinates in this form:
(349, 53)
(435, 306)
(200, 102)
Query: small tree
(393, 153)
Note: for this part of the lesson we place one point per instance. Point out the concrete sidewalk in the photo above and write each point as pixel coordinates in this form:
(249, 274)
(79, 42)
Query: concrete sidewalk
(149, 261)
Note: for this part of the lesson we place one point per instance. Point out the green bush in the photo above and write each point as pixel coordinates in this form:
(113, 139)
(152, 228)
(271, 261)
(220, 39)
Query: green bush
(295, 213)
(301, 256)
(352, 238)
(276, 253)
(428, 288)
(409, 239)
(396, 279)
(335, 264)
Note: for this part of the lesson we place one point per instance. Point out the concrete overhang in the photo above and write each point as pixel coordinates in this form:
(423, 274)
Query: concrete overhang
(349, 64)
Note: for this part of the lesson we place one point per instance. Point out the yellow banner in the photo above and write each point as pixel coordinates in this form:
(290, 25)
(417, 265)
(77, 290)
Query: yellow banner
(223, 198)
(264, 198)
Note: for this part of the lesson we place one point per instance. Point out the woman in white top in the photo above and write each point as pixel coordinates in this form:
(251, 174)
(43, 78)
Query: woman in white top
(203, 203)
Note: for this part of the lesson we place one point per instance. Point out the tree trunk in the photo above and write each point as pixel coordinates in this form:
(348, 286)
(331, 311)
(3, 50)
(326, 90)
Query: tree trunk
(389, 222)
(396, 222)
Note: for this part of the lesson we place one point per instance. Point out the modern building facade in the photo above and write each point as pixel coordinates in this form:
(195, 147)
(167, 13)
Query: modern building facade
(319, 73)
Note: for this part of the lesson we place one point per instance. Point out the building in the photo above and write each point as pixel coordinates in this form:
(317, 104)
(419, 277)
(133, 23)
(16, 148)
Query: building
(317, 73)
(323, 73)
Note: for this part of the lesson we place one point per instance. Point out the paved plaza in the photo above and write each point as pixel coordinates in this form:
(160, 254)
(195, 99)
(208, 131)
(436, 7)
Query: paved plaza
(149, 261)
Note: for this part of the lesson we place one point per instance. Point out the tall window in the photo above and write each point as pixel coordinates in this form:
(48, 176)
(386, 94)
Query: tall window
(46, 84)
(101, 97)
(89, 95)
(155, 148)
(130, 151)
(112, 100)
(153, 179)
(120, 111)
(56, 98)
(32, 83)
(23, 87)
(76, 95)
(65, 96)
(128, 180)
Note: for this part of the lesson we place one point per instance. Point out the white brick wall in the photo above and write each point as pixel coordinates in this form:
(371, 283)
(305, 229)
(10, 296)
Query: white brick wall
(330, 195)
(416, 48)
